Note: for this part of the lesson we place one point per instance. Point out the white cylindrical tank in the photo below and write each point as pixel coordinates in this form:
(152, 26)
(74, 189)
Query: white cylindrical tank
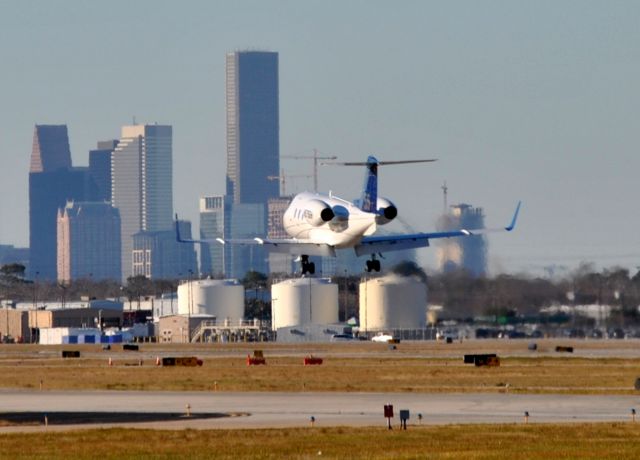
(223, 299)
(301, 301)
(392, 302)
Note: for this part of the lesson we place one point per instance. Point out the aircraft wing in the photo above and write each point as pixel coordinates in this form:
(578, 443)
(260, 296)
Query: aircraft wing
(375, 244)
(283, 246)
(287, 246)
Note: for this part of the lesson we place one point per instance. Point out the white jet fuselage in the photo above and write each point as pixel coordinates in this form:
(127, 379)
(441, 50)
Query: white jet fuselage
(303, 220)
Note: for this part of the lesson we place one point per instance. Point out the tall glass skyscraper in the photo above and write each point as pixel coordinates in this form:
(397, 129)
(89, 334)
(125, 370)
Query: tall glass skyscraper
(52, 181)
(100, 170)
(213, 210)
(253, 144)
(88, 241)
(141, 184)
(158, 255)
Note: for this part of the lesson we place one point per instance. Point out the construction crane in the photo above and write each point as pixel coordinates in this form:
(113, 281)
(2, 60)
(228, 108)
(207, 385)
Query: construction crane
(315, 159)
(282, 178)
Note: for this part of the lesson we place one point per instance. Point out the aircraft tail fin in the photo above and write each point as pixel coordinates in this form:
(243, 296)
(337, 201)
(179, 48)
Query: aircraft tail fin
(370, 191)
(369, 198)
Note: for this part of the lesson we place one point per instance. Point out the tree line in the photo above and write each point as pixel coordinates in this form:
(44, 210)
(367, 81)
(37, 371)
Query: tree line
(461, 294)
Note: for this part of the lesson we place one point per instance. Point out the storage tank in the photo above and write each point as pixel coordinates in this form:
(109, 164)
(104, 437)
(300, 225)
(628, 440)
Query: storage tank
(299, 301)
(392, 302)
(223, 299)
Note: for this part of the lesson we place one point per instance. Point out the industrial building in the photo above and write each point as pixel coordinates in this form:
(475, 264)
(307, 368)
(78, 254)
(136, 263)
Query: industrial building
(14, 325)
(209, 311)
(206, 328)
(26, 319)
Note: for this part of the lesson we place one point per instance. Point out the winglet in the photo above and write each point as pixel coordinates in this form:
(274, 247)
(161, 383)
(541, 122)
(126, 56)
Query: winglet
(178, 239)
(515, 218)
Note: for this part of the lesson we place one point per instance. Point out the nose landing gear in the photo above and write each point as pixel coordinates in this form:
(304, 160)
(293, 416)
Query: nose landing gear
(307, 267)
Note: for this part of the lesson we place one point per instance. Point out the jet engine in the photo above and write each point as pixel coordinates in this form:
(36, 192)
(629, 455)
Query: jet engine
(317, 212)
(386, 211)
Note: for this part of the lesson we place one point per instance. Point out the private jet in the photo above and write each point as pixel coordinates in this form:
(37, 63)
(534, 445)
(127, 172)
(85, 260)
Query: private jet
(320, 224)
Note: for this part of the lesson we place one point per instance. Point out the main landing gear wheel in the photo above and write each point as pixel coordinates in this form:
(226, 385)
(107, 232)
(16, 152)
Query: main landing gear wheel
(307, 267)
(373, 265)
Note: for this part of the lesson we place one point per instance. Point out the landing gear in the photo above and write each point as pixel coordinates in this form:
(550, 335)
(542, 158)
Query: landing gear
(373, 264)
(307, 267)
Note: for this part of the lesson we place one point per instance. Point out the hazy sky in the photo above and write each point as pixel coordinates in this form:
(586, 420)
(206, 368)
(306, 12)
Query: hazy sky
(536, 101)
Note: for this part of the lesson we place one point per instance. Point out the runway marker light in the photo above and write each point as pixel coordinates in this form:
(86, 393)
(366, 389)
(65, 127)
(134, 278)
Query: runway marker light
(188, 406)
(46, 420)
(158, 362)
(215, 386)
(633, 415)
(110, 361)
(41, 383)
(420, 419)
(312, 420)
(526, 417)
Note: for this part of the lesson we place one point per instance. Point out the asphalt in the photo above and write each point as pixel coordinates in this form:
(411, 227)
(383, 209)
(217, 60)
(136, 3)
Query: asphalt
(222, 410)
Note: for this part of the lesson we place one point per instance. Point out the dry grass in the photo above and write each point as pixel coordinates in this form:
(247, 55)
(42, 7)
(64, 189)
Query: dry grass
(412, 367)
(585, 441)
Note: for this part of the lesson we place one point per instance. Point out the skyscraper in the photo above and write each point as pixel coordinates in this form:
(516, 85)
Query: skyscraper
(221, 218)
(88, 241)
(50, 151)
(158, 255)
(52, 181)
(212, 225)
(468, 253)
(100, 170)
(141, 184)
(244, 221)
(278, 263)
(253, 145)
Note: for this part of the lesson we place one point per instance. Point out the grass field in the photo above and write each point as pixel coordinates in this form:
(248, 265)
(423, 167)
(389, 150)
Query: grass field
(584, 441)
(368, 367)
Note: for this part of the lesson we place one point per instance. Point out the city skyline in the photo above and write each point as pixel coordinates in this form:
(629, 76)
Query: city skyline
(517, 101)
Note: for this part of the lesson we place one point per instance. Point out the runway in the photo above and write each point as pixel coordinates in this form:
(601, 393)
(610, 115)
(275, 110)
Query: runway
(278, 410)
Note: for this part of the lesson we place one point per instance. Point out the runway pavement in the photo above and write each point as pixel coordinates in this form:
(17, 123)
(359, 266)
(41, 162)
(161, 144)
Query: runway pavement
(277, 410)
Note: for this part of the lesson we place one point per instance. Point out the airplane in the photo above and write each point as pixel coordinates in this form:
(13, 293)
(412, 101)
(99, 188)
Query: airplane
(320, 224)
